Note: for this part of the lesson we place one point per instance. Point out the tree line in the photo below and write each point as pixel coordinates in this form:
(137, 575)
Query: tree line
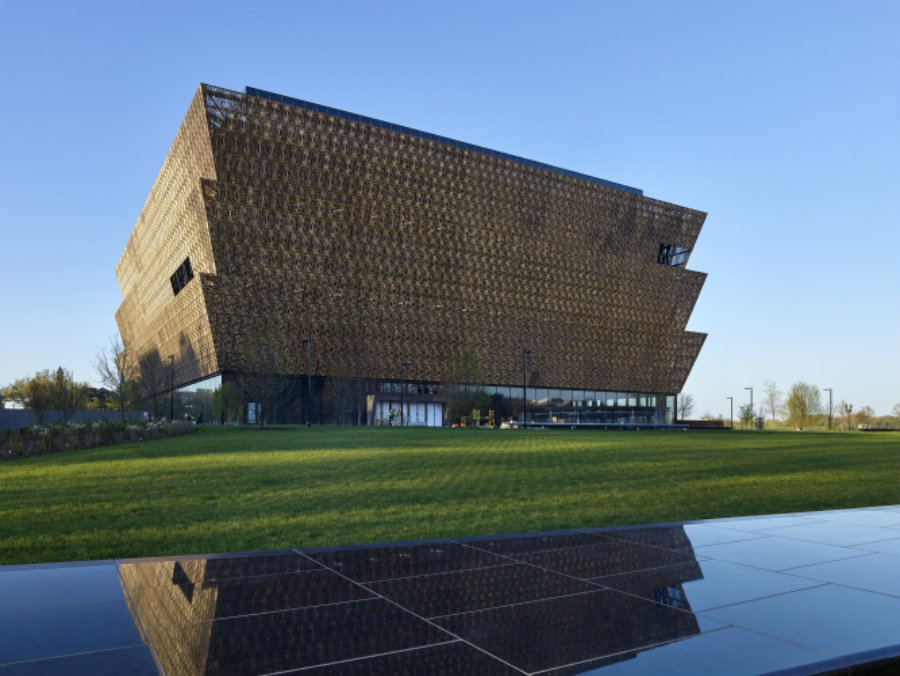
(121, 387)
(803, 406)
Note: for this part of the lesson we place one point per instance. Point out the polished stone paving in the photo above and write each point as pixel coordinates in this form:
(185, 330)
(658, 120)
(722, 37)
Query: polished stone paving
(809, 593)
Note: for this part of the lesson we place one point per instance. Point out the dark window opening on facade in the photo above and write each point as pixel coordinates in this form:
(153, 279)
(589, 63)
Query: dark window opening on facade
(672, 254)
(671, 596)
(182, 276)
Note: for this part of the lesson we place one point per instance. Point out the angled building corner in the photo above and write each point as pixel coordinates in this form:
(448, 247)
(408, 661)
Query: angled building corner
(393, 250)
(168, 262)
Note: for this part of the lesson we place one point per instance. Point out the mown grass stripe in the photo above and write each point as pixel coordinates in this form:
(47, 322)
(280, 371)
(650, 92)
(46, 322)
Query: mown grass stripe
(237, 489)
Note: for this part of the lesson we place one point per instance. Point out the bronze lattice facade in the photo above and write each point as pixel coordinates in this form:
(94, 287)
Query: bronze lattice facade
(389, 247)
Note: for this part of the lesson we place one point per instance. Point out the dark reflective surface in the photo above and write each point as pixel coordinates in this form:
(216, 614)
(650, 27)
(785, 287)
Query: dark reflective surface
(713, 584)
(444, 594)
(180, 603)
(545, 634)
(729, 650)
(697, 535)
(24, 589)
(832, 533)
(777, 553)
(607, 559)
(754, 595)
(874, 572)
(135, 661)
(66, 630)
(383, 563)
(818, 618)
(457, 658)
(258, 644)
(164, 572)
(537, 543)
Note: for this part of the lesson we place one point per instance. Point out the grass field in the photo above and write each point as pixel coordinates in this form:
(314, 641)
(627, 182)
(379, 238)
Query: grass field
(237, 489)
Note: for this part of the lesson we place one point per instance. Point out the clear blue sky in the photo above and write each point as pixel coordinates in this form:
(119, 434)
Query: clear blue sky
(781, 119)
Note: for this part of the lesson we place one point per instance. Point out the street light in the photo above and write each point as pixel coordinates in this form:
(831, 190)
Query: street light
(828, 389)
(403, 365)
(308, 342)
(752, 414)
(172, 385)
(525, 353)
(731, 401)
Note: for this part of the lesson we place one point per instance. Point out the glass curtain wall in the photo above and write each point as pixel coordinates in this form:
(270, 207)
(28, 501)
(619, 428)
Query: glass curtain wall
(195, 401)
(564, 406)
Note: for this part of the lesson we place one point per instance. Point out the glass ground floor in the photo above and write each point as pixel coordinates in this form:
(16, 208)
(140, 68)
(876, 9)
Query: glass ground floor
(319, 400)
(422, 403)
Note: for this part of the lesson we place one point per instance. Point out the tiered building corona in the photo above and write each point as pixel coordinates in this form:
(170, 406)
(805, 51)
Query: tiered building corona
(355, 260)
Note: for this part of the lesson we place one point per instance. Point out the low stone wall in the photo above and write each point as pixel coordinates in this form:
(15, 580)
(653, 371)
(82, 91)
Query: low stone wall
(23, 418)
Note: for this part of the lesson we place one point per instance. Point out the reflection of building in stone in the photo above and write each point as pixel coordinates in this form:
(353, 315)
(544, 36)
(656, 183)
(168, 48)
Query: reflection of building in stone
(268, 613)
(179, 597)
(227, 614)
(665, 585)
(274, 220)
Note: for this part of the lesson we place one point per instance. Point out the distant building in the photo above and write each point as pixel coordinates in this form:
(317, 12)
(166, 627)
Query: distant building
(274, 220)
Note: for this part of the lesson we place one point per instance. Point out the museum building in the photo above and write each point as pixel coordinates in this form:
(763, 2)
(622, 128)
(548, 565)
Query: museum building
(334, 267)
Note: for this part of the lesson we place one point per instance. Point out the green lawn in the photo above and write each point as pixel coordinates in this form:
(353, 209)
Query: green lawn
(231, 489)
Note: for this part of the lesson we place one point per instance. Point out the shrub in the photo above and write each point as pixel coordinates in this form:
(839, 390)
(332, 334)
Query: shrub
(66, 436)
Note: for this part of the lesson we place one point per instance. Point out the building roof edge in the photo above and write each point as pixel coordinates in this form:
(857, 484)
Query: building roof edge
(272, 96)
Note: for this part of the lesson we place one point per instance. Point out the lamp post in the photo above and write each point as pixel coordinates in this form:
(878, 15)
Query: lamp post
(731, 402)
(525, 353)
(828, 389)
(308, 341)
(172, 386)
(403, 365)
(752, 412)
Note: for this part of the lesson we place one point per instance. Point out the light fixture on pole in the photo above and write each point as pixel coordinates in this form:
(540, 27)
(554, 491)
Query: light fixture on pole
(731, 402)
(828, 389)
(752, 414)
(525, 353)
(308, 342)
(403, 365)
(172, 385)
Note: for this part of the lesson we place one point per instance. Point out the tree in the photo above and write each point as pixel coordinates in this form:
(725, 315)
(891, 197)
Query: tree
(845, 410)
(896, 410)
(118, 372)
(226, 402)
(466, 387)
(99, 399)
(35, 393)
(66, 395)
(864, 415)
(746, 415)
(685, 406)
(771, 399)
(803, 402)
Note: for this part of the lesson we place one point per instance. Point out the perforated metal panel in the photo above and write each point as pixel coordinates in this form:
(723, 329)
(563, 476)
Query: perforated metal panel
(387, 246)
